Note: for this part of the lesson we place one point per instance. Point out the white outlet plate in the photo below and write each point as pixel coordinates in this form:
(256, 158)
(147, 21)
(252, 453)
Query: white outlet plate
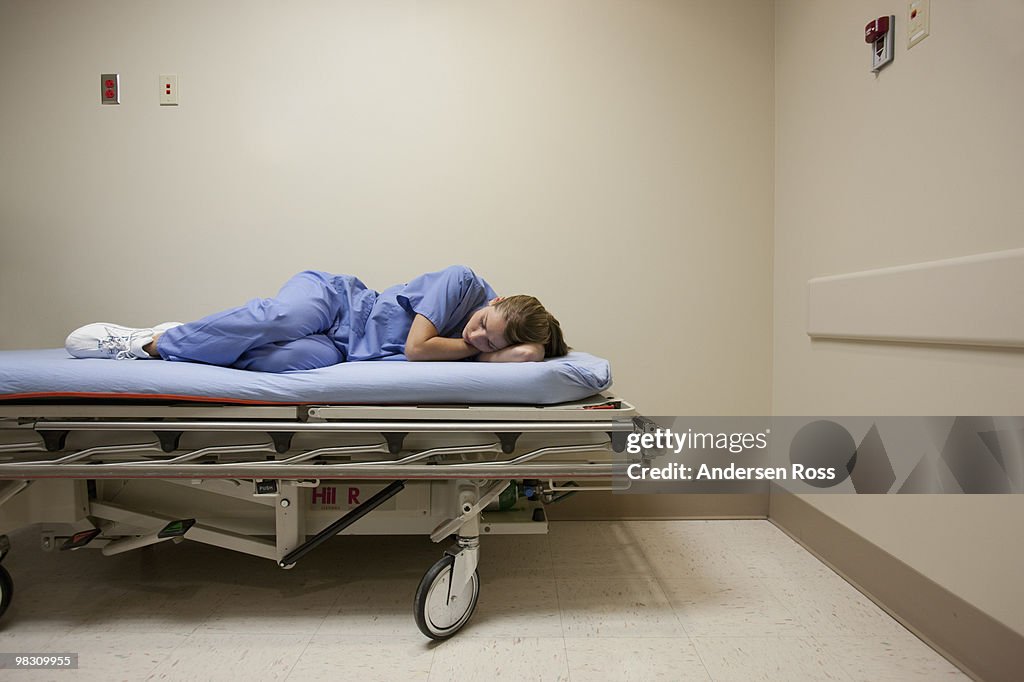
(168, 89)
(918, 21)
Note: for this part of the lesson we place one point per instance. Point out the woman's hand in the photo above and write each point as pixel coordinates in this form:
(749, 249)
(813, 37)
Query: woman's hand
(423, 344)
(523, 352)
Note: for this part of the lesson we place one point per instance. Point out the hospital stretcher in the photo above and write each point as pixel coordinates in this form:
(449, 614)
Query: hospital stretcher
(277, 480)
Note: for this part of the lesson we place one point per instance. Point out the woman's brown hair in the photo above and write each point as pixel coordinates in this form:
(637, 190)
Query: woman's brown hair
(527, 321)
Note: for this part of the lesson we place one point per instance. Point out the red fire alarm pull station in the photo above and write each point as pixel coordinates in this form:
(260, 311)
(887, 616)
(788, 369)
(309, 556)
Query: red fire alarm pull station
(879, 35)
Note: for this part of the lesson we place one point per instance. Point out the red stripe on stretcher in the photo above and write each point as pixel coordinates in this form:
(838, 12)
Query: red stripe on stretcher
(148, 396)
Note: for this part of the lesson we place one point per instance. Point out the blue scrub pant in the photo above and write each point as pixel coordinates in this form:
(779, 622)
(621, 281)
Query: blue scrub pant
(282, 334)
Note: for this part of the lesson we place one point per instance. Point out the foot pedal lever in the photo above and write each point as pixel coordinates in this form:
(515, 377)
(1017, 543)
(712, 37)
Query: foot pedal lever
(176, 529)
(80, 539)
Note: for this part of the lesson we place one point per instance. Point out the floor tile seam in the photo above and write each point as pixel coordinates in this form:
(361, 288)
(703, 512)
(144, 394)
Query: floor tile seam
(328, 613)
(147, 633)
(874, 639)
(548, 554)
(561, 616)
(270, 632)
(170, 653)
(935, 656)
(616, 579)
(565, 652)
(141, 633)
(333, 610)
(649, 556)
(668, 602)
(797, 619)
(205, 622)
(86, 627)
(696, 650)
(433, 659)
(298, 658)
(501, 634)
(630, 635)
(803, 636)
(791, 563)
(795, 633)
(408, 639)
(548, 569)
(836, 662)
(644, 552)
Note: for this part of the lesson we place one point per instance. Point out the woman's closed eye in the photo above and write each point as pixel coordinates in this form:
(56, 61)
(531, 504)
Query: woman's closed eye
(483, 325)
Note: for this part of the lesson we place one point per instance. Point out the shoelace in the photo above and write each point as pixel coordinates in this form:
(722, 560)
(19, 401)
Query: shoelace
(119, 347)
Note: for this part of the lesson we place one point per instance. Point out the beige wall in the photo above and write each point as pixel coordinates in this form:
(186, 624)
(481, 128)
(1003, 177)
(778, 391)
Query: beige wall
(921, 163)
(614, 158)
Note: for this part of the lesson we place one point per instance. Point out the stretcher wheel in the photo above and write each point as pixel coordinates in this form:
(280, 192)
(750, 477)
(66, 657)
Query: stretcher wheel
(438, 614)
(6, 589)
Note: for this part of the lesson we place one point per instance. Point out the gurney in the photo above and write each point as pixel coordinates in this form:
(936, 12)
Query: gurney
(117, 456)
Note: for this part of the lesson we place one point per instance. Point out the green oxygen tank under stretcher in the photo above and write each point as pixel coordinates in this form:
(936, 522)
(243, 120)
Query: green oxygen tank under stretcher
(506, 500)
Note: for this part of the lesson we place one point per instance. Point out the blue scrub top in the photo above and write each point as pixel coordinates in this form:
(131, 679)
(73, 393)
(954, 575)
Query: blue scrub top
(375, 326)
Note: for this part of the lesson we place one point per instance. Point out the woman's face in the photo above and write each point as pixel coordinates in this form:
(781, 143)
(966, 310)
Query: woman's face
(485, 330)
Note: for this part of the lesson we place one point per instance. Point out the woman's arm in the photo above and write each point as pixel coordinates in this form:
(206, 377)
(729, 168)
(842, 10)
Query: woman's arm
(523, 352)
(423, 343)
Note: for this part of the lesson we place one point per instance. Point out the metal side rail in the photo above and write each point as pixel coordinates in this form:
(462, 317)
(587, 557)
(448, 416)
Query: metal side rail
(625, 425)
(491, 471)
(299, 467)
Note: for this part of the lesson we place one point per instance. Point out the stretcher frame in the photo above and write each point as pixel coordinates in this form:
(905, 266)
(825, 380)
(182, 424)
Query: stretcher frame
(123, 476)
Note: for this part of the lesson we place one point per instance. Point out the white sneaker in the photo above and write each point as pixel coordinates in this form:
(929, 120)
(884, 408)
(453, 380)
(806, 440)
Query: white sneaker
(106, 340)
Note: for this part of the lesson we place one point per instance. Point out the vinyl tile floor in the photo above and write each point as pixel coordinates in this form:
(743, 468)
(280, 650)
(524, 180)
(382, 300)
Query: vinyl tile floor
(643, 600)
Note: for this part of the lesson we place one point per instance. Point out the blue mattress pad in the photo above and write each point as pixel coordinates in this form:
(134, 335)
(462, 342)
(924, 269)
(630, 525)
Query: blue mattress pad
(52, 373)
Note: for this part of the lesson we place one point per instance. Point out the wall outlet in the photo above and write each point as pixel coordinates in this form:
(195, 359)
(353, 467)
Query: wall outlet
(168, 90)
(918, 21)
(110, 88)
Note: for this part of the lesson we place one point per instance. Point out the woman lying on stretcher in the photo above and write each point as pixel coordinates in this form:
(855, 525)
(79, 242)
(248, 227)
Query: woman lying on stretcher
(319, 319)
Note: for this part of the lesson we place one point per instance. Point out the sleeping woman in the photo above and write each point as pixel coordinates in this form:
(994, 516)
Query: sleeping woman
(319, 319)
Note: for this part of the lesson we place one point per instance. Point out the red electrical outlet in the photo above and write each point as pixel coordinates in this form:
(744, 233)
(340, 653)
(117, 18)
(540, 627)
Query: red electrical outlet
(110, 88)
(169, 89)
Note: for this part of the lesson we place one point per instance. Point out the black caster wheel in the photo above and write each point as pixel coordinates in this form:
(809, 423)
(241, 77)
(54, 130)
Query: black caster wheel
(6, 589)
(439, 612)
